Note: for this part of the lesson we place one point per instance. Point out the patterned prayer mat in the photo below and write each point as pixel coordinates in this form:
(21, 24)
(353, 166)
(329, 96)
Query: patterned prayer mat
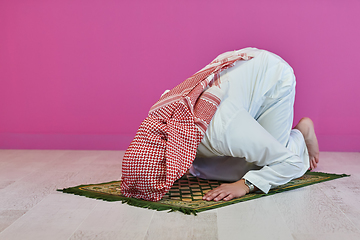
(187, 192)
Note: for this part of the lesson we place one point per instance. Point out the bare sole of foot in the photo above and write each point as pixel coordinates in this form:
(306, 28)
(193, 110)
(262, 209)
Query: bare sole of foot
(306, 127)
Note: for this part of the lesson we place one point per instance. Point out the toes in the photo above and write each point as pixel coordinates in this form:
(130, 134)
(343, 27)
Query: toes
(314, 164)
(311, 165)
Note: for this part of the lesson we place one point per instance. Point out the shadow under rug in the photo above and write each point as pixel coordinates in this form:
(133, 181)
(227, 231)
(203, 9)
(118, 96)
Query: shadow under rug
(187, 192)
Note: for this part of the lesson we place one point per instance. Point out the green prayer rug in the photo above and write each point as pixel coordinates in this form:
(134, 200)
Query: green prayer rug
(187, 192)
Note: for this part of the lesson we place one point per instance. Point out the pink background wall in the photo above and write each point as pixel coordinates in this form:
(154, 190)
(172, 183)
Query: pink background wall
(82, 74)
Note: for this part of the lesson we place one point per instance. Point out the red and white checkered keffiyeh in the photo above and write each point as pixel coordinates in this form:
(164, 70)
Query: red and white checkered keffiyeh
(165, 144)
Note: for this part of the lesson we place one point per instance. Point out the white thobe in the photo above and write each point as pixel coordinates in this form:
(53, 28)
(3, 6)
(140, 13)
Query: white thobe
(250, 135)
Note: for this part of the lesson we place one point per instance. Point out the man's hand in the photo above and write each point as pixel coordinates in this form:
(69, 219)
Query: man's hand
(227, 191)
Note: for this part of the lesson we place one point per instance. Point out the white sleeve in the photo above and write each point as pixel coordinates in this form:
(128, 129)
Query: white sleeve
(280, 173)
(243, 137)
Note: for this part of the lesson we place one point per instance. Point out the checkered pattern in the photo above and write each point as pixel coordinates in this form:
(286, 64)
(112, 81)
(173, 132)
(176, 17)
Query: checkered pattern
(189, 189)
(166, 142)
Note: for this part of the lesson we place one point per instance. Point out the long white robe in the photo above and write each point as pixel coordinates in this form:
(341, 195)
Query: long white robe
(250, 135)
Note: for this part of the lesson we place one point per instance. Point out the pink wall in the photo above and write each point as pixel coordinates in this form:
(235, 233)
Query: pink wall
(82, 74)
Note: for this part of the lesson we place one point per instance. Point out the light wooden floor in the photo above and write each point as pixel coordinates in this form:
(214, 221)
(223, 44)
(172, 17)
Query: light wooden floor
(30, 208)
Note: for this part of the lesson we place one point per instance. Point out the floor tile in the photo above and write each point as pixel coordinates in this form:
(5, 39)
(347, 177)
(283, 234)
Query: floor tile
(329, 236)
(345, 194)
(254, 219)
(308, 211)
(178, 226)
(7, 217)
(113, 220)
(56, 217)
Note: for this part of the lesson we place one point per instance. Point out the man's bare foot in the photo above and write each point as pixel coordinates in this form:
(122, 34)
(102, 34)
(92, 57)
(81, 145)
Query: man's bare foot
(306, 127)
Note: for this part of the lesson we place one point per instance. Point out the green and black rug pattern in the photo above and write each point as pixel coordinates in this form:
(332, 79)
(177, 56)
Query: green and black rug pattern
(187, 192)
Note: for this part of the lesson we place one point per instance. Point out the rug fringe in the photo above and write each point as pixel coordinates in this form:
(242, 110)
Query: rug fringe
(130, 201)
(163, 207)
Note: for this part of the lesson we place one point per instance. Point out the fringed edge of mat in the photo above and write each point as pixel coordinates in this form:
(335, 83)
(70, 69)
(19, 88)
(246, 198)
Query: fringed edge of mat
(130, 201)
(162, 207)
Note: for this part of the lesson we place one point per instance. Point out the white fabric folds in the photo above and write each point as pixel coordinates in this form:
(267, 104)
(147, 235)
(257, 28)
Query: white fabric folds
(250, 135)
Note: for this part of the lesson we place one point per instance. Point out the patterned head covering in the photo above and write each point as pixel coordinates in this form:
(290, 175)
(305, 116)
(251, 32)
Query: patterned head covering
(165, 144)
